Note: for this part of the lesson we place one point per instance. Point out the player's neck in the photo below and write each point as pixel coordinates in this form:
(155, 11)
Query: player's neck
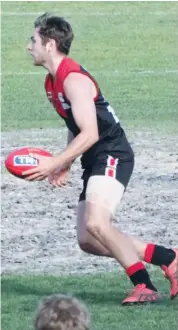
(53, 64)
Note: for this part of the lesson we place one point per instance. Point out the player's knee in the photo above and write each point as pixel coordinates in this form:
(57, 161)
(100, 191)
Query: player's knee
(94, 228)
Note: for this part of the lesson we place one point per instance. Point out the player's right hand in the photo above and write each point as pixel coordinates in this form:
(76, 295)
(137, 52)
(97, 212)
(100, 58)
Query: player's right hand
(59, 178)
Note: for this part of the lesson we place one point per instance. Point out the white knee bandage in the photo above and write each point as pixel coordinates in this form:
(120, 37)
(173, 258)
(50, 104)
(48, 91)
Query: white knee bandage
(104, 191)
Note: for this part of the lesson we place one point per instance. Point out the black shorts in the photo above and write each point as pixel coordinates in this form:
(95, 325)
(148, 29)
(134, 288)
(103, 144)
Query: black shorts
(121, 171)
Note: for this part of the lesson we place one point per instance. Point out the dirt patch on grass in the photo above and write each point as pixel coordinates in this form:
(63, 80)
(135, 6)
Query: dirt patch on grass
(38, 221)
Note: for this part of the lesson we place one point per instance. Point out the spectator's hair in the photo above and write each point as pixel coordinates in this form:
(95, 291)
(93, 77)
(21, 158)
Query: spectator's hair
(57, 28)
(61, 312)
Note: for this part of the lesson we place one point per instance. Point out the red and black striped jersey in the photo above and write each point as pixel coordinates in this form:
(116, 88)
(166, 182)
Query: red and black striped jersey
(112, 138)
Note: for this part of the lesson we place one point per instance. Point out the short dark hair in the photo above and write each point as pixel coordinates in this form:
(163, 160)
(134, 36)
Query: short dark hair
(61, 312)
(57, 28)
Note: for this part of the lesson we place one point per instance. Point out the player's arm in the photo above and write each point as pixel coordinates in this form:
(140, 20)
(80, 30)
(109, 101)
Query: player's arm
(66, 166)
(78, 90)
(70, 138)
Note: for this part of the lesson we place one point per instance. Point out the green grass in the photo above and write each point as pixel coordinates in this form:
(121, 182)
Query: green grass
(115, 48)
(101, 293)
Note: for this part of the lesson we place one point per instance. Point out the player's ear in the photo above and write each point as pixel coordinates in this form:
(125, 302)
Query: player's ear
(51, 44)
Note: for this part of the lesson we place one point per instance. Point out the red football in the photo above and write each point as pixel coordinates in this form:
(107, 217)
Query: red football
(19, 160)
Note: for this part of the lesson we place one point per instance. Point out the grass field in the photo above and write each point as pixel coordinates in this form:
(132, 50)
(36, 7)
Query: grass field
(131, 48)
(101, 293)
(132, 53)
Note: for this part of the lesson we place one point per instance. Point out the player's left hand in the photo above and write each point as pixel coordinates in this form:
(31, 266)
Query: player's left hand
(47, 165)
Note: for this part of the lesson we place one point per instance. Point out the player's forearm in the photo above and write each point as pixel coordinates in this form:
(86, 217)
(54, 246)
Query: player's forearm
(81, 143)
(70, 138)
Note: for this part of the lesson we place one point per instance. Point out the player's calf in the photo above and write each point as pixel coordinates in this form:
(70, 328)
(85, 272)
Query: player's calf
(96, 249)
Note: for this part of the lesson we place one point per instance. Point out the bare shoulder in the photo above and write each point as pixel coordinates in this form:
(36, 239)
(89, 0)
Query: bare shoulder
(77, 78)
(79, 84)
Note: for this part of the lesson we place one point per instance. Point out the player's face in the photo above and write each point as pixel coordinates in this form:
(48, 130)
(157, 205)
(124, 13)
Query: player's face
(36, 49)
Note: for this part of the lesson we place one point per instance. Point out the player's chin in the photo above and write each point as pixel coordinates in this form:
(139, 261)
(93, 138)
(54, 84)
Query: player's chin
(36, 62)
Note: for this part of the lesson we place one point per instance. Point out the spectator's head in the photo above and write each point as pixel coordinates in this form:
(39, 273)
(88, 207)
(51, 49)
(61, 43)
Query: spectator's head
(60, 312)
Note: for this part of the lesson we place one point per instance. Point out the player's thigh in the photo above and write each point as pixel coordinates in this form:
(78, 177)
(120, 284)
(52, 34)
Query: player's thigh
(105, 189)
(102, 192)
(103, 195)
(100, 197)
(90, 215)
(86, 212)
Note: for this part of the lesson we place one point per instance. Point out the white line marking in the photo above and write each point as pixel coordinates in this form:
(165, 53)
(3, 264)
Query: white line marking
(31, 73)
(116, 13)
(148, 72)
(66, 14)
